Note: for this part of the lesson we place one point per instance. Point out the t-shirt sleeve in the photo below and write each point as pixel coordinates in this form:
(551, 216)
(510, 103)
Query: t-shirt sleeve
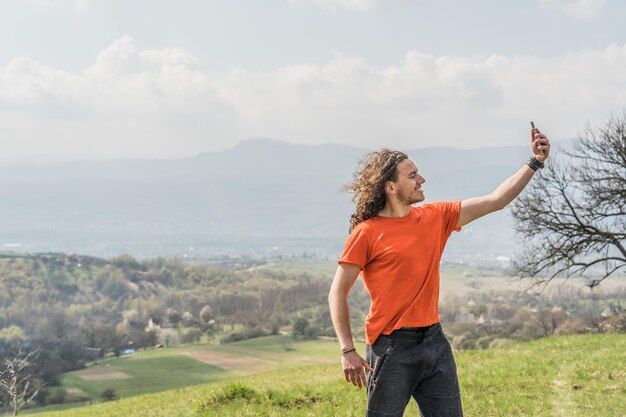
(356, 250)
(450, 210)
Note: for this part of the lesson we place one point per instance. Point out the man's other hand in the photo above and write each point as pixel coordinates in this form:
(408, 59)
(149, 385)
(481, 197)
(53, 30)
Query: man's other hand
(354, 367)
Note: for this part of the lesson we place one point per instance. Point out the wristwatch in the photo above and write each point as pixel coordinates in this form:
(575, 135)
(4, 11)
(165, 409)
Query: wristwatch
(534, 164)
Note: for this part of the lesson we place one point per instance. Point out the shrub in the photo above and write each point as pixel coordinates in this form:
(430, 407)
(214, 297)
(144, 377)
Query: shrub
(570, 326)
(464, 342)
(499, 342)
(56, 395)
(284, 399)
(125, 261)
(311, 332)
(300, 325)
(191, 336)
(230, 393)
(108, 394)
(238, 391)
(614, 324)
(245, 334)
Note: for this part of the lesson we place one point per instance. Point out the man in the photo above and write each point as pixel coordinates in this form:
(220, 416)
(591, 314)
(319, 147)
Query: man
(397, 249)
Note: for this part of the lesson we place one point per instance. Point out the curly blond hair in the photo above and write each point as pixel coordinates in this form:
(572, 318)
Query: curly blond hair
(369, 182)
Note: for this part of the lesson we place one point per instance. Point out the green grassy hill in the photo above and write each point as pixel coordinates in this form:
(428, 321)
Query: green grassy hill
(560, 376)
(164, 369)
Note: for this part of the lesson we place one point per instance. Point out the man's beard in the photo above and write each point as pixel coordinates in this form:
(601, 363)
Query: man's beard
(407, 198)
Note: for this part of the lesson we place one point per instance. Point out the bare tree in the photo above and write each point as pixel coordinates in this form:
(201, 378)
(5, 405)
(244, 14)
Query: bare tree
(16, 379)
(549, 320)
(573, 219)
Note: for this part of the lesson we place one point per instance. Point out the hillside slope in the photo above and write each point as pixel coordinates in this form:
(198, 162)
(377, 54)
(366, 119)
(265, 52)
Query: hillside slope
(560, 376)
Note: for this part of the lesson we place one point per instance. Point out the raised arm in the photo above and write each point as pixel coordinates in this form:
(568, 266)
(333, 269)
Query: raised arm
(473, 208)
(353, 364)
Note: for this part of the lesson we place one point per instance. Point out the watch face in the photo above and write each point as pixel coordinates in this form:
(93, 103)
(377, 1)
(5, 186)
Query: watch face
(535, 164)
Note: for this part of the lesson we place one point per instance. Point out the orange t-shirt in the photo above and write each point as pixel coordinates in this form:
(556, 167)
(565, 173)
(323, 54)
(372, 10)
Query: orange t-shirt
(399, 258)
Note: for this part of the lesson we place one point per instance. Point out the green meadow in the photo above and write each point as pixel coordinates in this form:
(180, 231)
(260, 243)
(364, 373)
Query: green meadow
(147, 372)
(168, 368)
(581, 375)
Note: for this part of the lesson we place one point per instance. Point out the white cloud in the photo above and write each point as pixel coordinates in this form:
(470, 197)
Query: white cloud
(577, 9)
(81, 6)
(39, 2)
(425, 100)
(334, 5)
(129, 102)
(134, 102)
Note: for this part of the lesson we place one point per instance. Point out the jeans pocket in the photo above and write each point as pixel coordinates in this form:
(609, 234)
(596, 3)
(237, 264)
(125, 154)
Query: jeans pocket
(379, 364)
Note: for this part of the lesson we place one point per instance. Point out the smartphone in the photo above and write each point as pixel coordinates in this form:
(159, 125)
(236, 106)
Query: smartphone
(532, 125)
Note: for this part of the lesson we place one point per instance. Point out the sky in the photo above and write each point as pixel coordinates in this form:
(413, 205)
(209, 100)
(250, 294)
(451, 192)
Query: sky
(108, 79)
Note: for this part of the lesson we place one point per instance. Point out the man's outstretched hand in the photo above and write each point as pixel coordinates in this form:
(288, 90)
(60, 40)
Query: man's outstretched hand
(540, 145)
(354, 367)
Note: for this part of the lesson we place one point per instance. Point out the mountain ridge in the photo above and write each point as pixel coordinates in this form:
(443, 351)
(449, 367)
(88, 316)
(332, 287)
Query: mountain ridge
(260, 195)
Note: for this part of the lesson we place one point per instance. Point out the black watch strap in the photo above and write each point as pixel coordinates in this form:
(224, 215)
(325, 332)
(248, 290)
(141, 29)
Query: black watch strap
(534, 164)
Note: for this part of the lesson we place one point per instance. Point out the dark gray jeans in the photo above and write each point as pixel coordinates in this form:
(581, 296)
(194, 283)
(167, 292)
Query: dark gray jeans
(417, 363)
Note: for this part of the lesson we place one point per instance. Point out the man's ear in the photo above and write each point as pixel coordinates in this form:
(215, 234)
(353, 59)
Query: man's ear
(390, 188)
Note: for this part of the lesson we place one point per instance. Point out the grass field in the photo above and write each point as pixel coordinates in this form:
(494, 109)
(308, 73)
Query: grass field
(151, 371)
(560, 376)
(168, 368)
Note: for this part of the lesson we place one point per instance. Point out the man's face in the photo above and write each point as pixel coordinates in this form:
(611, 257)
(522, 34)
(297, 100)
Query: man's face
(409, 184)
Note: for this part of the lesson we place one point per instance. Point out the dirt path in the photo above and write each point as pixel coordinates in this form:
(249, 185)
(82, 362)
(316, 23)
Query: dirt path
(224, 360)
(284, 356)
(252, 360)
(101, 374)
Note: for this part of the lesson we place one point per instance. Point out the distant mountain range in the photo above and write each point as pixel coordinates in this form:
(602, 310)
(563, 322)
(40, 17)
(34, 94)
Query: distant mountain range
(261, 198)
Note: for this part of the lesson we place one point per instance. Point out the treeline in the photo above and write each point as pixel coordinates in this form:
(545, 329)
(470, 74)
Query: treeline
(489, 319)
(54, 297)
(80, 308)
(120, 303)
